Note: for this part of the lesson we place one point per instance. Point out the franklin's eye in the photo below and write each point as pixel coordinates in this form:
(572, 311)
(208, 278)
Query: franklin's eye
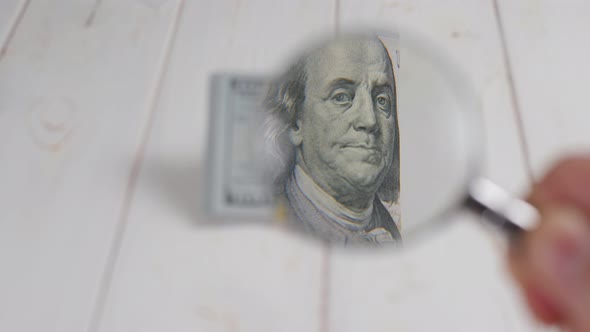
(342, 98)
(383, 103)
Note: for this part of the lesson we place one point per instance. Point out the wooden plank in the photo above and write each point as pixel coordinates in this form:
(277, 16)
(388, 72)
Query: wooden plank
(549, 62)
(175, 272)
(435, 284)
(72, 105)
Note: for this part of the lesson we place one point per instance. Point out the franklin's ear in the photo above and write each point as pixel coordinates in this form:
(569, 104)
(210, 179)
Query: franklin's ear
(295, 134)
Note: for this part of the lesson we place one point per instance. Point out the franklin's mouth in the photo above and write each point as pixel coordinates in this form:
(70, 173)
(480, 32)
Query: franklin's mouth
(363, 152)
(361, 147)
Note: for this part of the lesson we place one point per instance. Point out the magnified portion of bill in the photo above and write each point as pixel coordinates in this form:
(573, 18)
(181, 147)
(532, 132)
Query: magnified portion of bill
(333, 123)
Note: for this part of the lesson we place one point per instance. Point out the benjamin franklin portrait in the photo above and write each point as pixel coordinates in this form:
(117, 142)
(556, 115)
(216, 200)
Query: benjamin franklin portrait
(332, 121)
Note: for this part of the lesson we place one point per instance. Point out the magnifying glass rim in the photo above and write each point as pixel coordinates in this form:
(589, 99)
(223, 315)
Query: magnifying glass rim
(462, 88)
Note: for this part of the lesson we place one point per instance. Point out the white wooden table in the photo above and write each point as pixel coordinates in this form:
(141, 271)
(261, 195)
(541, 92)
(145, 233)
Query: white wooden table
(103, 124)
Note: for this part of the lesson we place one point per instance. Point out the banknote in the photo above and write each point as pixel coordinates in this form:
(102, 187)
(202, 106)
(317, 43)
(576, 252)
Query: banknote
(319, 142)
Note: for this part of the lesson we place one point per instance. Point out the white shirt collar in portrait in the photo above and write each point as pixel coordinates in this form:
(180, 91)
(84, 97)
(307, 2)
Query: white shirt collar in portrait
(341, 214)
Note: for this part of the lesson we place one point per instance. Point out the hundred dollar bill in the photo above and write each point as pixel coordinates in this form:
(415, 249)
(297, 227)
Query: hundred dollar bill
(316, 147)
(238, 186)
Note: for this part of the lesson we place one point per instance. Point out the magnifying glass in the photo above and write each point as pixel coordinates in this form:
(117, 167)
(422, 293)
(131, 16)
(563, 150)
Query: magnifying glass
(366, 139)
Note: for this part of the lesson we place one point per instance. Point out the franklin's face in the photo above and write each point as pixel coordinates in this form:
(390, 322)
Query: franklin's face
(345, 133)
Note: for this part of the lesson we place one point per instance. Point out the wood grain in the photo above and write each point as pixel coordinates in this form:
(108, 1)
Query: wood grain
(72, 108)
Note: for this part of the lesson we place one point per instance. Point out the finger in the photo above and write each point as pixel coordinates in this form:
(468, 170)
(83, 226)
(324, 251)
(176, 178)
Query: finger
(553, 266)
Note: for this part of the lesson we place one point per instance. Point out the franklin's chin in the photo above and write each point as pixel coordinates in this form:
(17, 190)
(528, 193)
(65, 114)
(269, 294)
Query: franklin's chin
(364, 174)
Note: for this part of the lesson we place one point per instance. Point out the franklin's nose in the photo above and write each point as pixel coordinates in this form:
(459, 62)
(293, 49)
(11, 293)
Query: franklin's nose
(365, 117)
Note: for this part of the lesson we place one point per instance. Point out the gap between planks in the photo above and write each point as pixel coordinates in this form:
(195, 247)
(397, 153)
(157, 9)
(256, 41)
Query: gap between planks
(20, 12)
(121, 227)
(90, 20)
(325, 264)
(524, 146)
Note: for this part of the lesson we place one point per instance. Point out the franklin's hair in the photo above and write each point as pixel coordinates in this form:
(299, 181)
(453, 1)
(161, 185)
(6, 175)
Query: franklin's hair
(284, 103)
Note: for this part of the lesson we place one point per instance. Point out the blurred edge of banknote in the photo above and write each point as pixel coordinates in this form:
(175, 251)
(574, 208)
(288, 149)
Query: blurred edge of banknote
(239, 186)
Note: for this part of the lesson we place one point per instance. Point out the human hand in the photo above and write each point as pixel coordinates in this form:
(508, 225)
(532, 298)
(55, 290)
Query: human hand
(552, 262)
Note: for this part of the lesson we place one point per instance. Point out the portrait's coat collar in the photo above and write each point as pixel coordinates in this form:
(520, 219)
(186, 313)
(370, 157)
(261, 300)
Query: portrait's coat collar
(312, 210)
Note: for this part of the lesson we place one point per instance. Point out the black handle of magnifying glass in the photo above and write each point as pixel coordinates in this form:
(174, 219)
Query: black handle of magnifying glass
(511, 214)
